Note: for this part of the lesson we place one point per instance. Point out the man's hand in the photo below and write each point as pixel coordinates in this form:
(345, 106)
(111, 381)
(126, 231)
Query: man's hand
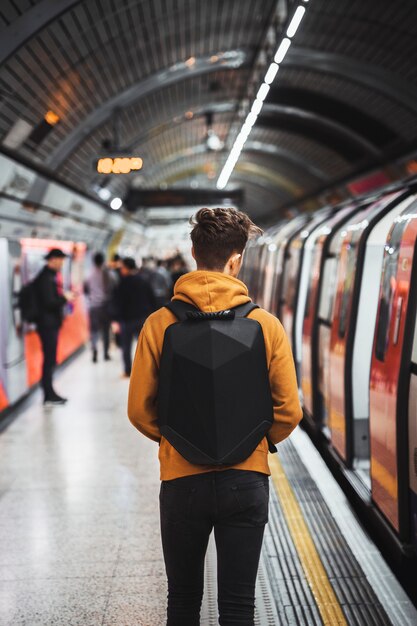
(69, 296)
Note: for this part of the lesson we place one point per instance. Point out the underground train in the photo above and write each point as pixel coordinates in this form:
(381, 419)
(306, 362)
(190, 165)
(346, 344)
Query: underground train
(343, 282)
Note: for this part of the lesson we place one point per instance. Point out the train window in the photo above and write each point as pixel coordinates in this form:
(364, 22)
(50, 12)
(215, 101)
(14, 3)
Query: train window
(328, 294)
(315, 261)
(290, 281)
(347, 288)
(388, 286)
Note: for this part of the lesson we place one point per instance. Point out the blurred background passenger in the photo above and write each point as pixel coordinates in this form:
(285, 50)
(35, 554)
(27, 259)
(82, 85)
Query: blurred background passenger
(98, 289)
(133, 301)
(115, 266)
(147, 269)
(177, 268)
(162, 283)
(50, 302)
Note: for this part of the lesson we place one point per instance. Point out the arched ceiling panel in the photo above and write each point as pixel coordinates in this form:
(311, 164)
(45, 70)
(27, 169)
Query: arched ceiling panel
(346, 93)
(380, 32)
(384, 110)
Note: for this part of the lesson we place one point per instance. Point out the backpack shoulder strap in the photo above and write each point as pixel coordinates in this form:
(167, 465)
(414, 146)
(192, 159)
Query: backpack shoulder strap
(243, 310)
(180, 308)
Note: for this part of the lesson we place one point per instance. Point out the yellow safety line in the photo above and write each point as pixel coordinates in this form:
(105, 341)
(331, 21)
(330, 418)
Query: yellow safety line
(320, 585)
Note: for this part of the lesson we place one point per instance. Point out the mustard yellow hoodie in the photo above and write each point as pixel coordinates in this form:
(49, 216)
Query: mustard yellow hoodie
(211, 291)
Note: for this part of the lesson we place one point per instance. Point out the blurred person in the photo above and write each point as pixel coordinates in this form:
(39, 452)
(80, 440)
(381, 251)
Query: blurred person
(50, 304)
(133, 301)
(115, 266)
(147, 268)
(174, 374)
(98, 289)
(178, 268)
(162, 283)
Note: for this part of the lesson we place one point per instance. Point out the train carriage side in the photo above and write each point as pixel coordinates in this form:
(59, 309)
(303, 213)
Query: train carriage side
(390, 374)
(268, 262)
(322, 273)
(283, 284)
(13, 379)
(361, 256)
(278, 246)
(294, 292)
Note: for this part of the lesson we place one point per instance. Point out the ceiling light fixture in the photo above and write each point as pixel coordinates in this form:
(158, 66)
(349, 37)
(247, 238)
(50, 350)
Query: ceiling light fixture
(116, 203)
(271, 73)
(262, 92)
(104, 193)
(257, 106)
(282, 50)
(260, 97)
(295, 22)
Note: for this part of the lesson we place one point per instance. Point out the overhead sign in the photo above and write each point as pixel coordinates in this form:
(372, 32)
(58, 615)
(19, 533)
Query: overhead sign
(119, 165)
(147, 198)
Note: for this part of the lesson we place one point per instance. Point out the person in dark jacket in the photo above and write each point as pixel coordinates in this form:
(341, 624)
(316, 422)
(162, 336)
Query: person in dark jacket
(51, 305)
(133, 301)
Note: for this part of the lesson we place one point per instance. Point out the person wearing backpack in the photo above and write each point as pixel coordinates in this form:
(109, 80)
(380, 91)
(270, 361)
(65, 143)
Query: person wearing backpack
(213, 382)
(50, 307)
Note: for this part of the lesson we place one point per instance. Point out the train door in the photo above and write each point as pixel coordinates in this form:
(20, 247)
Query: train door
(13, 383)
(350, 430)
(390, 373)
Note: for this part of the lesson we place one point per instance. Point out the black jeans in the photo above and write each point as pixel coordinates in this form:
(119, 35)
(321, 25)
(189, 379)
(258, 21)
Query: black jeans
(235, 504)
(100, 324)
(49, 341)
(129, 330)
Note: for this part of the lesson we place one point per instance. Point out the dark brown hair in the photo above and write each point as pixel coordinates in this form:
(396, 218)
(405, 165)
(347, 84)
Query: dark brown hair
(219, 233)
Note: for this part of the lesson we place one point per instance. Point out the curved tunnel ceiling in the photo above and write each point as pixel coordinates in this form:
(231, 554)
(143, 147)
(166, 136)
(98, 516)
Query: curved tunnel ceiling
(346, 96)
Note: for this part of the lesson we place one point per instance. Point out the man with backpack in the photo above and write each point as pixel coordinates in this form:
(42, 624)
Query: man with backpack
(50, 306)
(213, 382)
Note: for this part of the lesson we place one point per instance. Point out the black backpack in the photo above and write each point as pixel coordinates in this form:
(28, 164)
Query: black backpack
(214, 396)
(28, 302)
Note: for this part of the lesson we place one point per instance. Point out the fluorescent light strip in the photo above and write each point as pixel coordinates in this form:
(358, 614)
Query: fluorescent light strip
(251, 118)
(257, 106)
(271, 73)
(295, 22)
(260, 97)
(282, 50)
(262, 92)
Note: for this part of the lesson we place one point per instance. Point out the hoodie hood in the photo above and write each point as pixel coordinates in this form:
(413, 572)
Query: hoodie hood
(211, 291)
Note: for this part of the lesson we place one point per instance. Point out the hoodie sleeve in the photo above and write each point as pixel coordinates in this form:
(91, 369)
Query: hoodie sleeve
(283, 380)
(143, 389)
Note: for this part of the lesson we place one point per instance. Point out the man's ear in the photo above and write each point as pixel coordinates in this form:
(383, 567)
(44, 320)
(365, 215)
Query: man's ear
(193, 253)
(234, 261)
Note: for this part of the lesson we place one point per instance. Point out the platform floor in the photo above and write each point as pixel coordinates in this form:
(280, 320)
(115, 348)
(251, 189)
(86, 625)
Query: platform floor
(79, 532)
